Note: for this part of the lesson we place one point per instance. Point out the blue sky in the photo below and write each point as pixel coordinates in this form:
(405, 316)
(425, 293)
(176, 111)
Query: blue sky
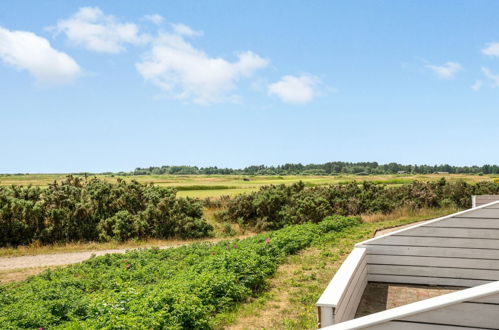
(114, 85)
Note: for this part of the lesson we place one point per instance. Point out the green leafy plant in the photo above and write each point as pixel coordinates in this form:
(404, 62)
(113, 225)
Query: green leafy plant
(178, 288)
(83, 209)
(276, 206)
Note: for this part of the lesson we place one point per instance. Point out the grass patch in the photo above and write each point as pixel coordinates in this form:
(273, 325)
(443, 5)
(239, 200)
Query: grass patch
(199, 187)
(21, 274)
(293, 291)
(393, 181)
(238, 185)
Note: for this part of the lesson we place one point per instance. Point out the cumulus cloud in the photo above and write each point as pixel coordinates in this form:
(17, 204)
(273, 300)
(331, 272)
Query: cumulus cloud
(295, 89)
(477, 85)
(184, 30)
(492, 76)
(184, 71)
(27, 51)
(492, 49)
(90, 28)
(154, 18)
(446, 71)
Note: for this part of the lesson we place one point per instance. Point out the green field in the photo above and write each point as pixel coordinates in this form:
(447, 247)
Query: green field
(202, 186)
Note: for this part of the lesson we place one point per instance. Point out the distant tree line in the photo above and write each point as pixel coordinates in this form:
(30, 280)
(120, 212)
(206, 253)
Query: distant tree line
(330, 168)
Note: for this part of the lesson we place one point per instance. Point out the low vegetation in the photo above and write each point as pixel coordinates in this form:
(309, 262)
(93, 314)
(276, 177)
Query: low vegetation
(213, 186)
(276, 206)
(289, 302)
(83, 209)
(174, 288)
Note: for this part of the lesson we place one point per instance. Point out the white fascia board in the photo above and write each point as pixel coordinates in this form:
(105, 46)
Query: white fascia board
(338, 286)
(418, 307)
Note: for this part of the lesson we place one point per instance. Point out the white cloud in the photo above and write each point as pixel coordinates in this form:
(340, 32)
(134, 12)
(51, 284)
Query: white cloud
(295, 90)
(493, 77)
(90, 28)
(154, 18)
(492, 49)
(184, 30)
(179, 68)
(446, 71)
(27, 51)
(477, 85)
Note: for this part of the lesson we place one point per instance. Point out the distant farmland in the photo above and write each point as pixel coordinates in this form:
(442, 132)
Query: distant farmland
(202, 186)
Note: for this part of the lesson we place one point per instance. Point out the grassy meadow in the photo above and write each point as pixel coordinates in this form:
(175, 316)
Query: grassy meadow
(202, 186)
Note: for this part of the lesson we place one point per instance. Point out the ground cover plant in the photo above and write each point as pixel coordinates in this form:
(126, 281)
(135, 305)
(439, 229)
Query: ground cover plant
(91, 209)
(174, 288)
(276, 206)
(289, 303)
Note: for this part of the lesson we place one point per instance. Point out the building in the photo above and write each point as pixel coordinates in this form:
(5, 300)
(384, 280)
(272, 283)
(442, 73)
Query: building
(456, 256)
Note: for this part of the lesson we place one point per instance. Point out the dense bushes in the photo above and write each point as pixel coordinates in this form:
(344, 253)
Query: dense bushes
(80, 209)
(156, 289)
(275, 206)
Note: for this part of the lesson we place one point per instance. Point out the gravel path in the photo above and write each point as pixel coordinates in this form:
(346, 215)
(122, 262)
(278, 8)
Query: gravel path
(59, 259)
(56, 259)
(67, 258)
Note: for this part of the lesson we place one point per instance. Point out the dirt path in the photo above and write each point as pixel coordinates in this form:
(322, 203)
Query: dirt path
(67, 258)
(59, 259)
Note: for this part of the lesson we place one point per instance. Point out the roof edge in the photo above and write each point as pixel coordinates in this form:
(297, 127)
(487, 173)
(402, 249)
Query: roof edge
(366, 242)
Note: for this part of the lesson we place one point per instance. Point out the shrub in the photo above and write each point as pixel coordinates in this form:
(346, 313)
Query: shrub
(82, 209)
(276, 206)
(178, 288)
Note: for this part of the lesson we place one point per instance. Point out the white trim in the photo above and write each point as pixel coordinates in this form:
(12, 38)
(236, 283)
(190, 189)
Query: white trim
(361, 244)
(338, 286)
(419, 307)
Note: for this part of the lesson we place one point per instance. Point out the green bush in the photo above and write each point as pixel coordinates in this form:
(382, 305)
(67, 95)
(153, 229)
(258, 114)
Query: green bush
(276, 206)
(82, 209)
(179, 288)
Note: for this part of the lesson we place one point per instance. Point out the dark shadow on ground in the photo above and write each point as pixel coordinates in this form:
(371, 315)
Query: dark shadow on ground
(378, 297)
(373, 299)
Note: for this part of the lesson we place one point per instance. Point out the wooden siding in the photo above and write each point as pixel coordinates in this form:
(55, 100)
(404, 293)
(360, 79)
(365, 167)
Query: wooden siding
(480, 200)
(474, 308)
(457, 250)
(468, 315)
(461, 249)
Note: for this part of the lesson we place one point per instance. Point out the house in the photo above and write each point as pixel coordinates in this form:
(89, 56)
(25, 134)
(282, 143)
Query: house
(456, 255)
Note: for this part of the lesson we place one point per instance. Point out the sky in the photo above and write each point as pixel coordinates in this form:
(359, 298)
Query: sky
(113, 85)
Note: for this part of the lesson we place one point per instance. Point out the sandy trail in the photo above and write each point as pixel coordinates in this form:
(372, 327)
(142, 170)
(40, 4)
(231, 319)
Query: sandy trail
(59, 259)
(67, 258)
